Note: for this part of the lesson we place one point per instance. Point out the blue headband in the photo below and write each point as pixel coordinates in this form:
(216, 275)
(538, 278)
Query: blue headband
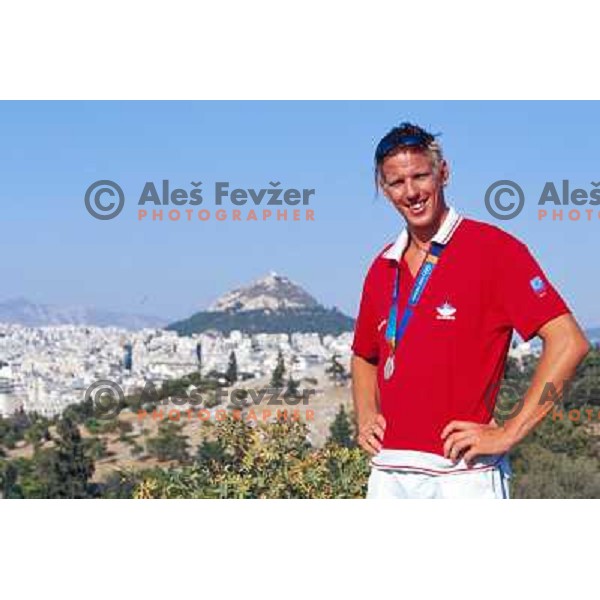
(395, 139)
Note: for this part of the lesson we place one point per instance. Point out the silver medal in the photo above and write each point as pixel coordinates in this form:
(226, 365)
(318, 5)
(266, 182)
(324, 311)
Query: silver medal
(388, 369)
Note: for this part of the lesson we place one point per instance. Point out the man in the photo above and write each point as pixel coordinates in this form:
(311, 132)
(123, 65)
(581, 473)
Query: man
(435, 323)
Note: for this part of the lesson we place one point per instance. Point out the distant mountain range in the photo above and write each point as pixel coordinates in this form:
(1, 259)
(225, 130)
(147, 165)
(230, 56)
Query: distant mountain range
(273, 304)
(30, 314)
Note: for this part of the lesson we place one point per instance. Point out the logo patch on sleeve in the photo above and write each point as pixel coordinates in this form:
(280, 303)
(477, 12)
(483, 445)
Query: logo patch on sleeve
(538, 286)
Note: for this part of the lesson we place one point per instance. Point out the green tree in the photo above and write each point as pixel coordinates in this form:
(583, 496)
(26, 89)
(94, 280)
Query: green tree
(13, 428)
(560, 457)
(277, 377)
(38, 431)
(341, 431)
(169, 443)
(292, 388)
(63, 471)
(74, 467)
(8, 480)
(95, 447)
(232, 370)
(512, 369)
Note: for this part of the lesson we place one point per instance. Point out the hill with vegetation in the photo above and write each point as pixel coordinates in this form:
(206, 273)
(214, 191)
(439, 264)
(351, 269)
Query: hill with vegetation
(289, 320)
(272, 304)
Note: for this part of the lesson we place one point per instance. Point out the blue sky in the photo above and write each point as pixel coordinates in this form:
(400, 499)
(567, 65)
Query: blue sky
(55, 252)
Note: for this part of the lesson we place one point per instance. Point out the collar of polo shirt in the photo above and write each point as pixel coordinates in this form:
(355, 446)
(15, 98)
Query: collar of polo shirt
(443, 235)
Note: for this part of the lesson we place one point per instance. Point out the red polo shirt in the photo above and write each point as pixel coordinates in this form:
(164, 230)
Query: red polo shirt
(450, 362)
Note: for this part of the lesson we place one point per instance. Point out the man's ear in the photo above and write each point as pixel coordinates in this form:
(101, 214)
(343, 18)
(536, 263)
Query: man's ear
(444, 172)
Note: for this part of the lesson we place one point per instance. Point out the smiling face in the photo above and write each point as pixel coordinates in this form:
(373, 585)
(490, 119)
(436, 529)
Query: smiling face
(412, 184)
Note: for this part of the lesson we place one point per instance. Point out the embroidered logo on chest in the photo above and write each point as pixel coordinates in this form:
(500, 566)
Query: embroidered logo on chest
(446, 312)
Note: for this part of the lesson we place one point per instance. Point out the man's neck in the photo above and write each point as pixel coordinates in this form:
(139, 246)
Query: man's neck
(424, 235)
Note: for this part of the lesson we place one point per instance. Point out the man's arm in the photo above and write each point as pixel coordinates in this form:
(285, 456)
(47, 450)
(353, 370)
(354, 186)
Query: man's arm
(370, 422)
(565, 346)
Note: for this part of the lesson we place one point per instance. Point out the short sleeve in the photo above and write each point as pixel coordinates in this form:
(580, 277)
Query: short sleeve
(526, 298)
(366, 342)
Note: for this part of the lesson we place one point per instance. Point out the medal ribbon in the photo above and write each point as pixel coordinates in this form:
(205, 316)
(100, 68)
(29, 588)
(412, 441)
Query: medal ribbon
(393, 331)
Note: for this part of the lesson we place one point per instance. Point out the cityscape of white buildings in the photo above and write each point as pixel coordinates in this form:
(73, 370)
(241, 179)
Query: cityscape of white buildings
(44, 369)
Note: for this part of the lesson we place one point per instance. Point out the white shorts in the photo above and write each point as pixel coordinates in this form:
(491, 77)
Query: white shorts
(398, 484)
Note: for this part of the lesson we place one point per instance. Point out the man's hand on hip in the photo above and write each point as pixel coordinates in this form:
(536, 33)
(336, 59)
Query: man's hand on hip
(370, 433)
(474, 439)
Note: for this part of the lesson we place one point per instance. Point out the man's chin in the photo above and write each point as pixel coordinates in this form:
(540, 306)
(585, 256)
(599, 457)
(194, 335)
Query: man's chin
(419, 221)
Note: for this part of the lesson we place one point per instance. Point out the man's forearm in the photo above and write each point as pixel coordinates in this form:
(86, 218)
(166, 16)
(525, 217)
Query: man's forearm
(364, 387)
(557, 365)
(370, 422)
